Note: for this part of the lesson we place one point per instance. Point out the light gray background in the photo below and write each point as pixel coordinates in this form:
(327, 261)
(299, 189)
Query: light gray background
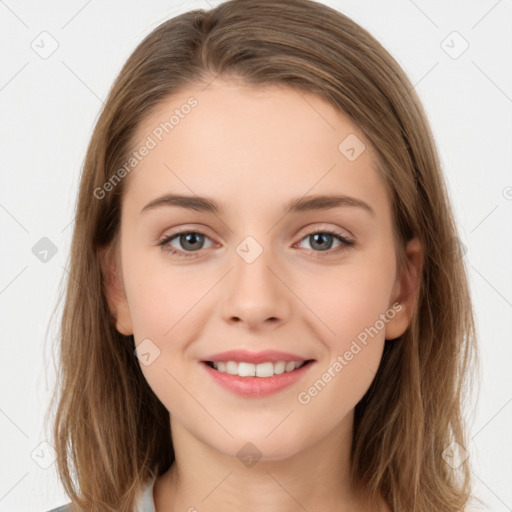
(48, 109)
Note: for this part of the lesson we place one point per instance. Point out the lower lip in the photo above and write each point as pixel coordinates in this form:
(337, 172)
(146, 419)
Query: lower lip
(257, 386)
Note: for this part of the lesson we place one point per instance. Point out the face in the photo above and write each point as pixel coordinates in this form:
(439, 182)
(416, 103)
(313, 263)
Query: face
(317, 282)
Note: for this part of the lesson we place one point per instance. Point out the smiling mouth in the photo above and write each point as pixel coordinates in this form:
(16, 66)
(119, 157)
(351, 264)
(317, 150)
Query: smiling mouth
(263, 370)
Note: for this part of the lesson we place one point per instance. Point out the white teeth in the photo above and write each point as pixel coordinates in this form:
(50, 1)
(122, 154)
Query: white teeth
(256, 370)
(246, 370)
(279, 367)
(290, 366)
(231, 367)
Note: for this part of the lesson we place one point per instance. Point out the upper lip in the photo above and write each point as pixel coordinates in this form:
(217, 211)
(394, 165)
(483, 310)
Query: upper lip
(246, 356)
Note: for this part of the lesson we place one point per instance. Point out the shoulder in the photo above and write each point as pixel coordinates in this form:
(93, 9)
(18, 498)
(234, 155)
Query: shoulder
(146, 503)
(64, 508)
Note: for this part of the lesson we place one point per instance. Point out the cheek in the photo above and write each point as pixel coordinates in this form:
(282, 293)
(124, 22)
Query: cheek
(349, 300)
(162, 298)
(163, 322)
(165, 311)
(353, 310)
(351, 305)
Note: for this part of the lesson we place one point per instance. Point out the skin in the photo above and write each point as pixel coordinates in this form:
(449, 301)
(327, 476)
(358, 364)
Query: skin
(252, 150)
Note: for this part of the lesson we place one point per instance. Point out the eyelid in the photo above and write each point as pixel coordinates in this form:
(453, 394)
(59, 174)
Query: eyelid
(323, 227)
(182, 229)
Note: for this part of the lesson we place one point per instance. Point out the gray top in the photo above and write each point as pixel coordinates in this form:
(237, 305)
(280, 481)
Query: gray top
(146, 503)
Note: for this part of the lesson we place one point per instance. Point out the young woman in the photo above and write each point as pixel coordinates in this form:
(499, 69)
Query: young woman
(266, 309)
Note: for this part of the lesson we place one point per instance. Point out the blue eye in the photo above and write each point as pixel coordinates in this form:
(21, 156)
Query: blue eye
(193, 241)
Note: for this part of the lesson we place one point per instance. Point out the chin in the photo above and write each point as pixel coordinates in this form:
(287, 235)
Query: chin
(251, 446)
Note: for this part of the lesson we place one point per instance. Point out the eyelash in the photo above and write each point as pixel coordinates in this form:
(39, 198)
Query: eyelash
(345, 243)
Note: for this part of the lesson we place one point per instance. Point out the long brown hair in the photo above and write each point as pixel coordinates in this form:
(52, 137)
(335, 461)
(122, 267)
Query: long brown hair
(111, 432)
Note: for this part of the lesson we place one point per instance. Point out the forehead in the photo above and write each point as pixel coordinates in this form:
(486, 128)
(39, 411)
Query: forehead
(245, 142)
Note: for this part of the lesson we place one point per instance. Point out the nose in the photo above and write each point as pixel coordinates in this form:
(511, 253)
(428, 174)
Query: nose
(255, 292)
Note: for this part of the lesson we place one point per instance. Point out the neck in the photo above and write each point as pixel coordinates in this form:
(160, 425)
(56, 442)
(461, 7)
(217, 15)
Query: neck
(316, 478)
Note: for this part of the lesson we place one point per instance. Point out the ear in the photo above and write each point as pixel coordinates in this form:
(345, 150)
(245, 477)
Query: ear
(406, 290)
(114, 289)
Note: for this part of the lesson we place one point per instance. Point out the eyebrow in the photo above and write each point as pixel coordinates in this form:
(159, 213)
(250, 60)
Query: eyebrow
(301, 204)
